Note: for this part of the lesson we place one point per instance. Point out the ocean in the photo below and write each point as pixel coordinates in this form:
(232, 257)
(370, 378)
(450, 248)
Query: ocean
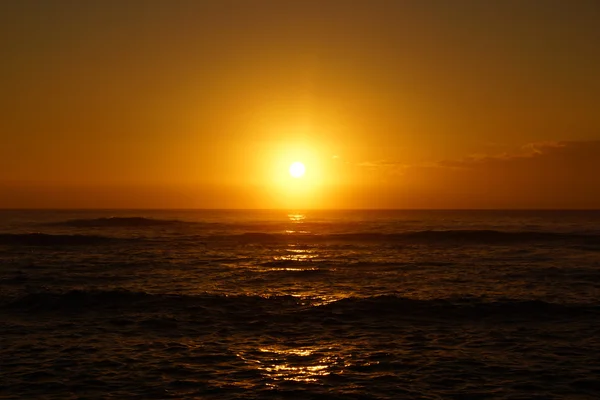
(205, 304)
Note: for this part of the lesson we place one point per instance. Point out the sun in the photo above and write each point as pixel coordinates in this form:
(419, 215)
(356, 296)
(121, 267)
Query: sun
(297, 169)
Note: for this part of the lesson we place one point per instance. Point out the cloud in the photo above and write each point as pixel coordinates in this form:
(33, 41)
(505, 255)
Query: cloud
(527, 151)
(547, 175)
(380, 164)
(384, 168)
(536, 175)
(538, 148)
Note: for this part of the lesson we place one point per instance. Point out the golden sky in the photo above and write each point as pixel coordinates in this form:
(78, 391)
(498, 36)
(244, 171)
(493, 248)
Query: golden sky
(389, 104)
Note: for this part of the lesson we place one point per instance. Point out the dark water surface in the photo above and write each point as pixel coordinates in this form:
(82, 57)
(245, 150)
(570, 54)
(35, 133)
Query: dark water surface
(324, 305)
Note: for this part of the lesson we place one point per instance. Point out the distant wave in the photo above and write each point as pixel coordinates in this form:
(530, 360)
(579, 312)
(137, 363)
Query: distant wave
(454, 237)
(115, 222)
(42, 239)
(87, 300)
(461, 308)
(251, 307)
(428, 237)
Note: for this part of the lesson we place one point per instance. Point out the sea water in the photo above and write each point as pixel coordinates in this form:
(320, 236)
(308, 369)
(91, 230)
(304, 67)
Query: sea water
(303, 304)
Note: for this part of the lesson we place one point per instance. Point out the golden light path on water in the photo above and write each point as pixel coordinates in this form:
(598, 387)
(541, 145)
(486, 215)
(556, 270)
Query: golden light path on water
(297, 217)
(295, 253)
(299, 258)
(277, 368)
(300, 363)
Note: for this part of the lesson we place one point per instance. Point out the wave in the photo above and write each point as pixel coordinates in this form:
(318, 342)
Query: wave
(459, 308)
(428, 237)
(94, 300)
(43, 239)
(454, 237)
(116, 222)
(251, 307)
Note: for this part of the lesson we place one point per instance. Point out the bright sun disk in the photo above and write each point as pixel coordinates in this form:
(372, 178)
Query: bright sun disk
(297, 169)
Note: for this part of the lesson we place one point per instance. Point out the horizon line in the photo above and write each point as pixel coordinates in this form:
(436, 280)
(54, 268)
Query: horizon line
(288, 209)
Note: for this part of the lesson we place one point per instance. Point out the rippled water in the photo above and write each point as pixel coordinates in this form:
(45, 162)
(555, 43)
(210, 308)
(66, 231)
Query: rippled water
(268, 304)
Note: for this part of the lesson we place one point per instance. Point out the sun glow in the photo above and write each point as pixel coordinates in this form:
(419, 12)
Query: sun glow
(297, 173)
(297, 169)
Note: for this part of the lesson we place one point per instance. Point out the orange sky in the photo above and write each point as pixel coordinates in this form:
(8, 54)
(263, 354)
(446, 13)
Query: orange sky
(390, 104)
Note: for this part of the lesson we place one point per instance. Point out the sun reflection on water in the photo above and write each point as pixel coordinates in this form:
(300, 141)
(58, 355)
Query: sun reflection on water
(303, 364)
(296, 255)
(297, 217)
(297, 352)
(293, 269)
